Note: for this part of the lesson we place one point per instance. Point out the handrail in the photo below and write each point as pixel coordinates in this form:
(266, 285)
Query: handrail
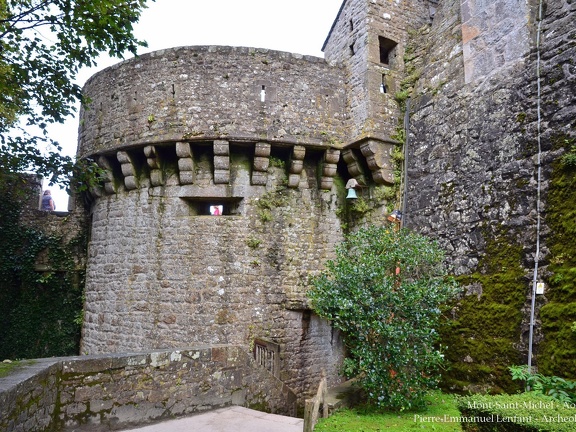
(312, 406)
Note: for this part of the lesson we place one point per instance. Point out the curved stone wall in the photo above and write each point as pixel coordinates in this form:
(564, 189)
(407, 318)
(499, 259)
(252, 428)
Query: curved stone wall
(213, 92)
(164, 273)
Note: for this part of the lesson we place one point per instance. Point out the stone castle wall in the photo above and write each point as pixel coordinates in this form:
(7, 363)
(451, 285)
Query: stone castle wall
(163, 273)
(473, 152)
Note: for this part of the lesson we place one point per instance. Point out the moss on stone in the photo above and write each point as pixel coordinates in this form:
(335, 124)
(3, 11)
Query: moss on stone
(482, 338)
(556, 354)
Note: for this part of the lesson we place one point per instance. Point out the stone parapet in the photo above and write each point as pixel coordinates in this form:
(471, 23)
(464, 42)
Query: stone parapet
(116, 391)
(211, 93)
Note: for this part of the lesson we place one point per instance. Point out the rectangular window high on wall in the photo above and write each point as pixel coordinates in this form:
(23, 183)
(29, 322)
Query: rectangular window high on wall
(387, 47)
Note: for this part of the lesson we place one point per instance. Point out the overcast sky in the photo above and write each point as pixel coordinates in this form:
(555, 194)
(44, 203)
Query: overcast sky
(297, 26)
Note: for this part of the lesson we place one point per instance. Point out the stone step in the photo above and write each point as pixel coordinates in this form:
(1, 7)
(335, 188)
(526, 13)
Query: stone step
(344, 395)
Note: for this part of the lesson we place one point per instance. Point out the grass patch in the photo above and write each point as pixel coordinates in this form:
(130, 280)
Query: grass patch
(366, 419)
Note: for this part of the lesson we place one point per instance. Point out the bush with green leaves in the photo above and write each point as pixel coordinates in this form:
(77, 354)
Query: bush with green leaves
(556, 387)
(385, 290)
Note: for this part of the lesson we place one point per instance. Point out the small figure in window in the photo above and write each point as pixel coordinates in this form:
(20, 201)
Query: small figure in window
(216, 211)
(47, 201)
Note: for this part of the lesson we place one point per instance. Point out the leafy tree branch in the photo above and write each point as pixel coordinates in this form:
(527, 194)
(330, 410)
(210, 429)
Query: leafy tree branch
(43, 45)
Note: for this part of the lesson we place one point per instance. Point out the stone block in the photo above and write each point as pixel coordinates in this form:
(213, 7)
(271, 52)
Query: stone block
(219, 354)
(354, 169)
(104, 163)
(183, 150)
(296, 166)
(262, 149)
(123, 157)
(261, 163)
(294, 180)
(150, 152)
(329, 170)
(152, 163)
(109, 188)
(349, 156)
(369, 148)
(298, 152)
(221, 176)
(127, 169)
(373, 163)
(259, 178)
(332, 156)
(185, 164)
(186, 177)
(221, 163)
(156, 177)
(221, 148)
(326, 183)
(383, 176)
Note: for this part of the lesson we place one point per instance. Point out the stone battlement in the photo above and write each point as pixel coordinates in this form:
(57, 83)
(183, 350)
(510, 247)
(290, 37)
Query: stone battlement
(213, 92)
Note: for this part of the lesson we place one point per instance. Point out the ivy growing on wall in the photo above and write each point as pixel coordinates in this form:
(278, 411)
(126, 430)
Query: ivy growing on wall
(40, 287)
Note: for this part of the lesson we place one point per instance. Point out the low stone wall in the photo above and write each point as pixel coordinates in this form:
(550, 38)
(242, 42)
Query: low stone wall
(118, 391)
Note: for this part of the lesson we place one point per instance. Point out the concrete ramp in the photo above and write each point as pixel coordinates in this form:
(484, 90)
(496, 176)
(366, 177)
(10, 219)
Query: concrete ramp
(231, 419)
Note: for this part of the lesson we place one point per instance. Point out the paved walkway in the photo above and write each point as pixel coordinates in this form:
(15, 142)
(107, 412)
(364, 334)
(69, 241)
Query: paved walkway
(231, 419)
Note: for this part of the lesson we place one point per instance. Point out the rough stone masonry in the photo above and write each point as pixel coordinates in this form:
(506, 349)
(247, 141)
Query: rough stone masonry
(270, 139)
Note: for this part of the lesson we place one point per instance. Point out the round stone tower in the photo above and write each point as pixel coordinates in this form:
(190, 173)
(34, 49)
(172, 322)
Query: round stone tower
(220, 202)
(224, 189)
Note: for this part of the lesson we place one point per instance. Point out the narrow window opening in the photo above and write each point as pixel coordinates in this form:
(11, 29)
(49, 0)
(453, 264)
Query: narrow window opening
(351, 26)
(352, 52)
(263, 94)
(383, 88)
(173, 91)
(213, 206)
(386, 50)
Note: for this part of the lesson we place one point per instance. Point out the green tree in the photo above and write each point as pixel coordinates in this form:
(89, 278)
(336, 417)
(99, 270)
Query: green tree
(384, 291)
(43, 45)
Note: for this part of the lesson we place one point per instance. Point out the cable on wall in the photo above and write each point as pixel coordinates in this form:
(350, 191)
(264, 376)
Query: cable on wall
(537, 255)
(404, 177)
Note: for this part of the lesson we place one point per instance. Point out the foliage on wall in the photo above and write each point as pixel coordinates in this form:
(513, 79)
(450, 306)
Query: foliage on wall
(40, 285)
